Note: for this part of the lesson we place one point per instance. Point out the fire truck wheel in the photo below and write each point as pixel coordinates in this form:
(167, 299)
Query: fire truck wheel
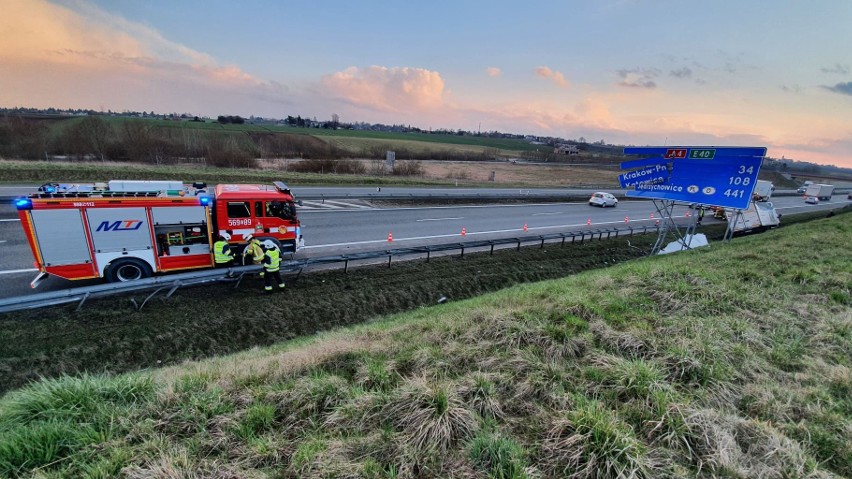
(127, 269)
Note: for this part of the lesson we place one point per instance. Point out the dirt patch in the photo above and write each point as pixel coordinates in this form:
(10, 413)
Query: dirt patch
(506, 173)
(521, 173)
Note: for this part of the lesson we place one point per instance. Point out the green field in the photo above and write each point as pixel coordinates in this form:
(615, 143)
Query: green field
(719, 362)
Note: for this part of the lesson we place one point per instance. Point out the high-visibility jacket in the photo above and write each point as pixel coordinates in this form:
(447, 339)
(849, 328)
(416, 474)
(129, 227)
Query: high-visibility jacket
(272, 260)
(222, 252)
(255, 250)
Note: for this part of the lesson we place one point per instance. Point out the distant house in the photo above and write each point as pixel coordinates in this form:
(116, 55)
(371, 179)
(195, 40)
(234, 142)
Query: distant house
(567, 150)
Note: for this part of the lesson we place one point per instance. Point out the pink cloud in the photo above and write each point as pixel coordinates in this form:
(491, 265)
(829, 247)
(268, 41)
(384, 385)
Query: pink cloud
(387, 89)
(556, 77)
(493, 71)
(108, 61)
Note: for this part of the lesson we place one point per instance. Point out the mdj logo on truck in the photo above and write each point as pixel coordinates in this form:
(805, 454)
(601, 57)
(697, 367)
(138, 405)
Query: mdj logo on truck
(126, 225)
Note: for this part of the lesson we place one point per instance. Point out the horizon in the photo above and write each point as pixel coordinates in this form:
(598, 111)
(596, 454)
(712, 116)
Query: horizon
(622, 71)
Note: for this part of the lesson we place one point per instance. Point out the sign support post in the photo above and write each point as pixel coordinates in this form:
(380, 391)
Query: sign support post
(665, 209)
(723, 177)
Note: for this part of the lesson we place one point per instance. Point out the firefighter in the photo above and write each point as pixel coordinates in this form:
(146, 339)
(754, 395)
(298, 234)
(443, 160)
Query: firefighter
(272, 264)
(700, 214)
(222, 254)
(254, 250)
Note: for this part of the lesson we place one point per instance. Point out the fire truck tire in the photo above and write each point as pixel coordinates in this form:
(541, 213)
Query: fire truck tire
(127, 269)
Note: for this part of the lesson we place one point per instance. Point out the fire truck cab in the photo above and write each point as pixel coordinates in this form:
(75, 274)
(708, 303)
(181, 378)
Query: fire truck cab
(267, 212)
(127, 230)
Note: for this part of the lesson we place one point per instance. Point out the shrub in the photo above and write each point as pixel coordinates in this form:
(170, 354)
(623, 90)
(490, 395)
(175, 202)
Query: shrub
(408, 168)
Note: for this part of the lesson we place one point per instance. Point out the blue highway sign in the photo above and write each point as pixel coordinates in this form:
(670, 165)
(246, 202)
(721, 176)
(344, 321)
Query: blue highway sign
(723, 177)
(654, 160)
(653, 174)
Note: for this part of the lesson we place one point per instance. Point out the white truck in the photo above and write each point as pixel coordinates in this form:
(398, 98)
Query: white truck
(763, 190)
(820, 191)
(758, 217)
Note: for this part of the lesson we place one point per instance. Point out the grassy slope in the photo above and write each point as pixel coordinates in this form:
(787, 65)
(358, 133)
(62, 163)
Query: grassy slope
(723, 361)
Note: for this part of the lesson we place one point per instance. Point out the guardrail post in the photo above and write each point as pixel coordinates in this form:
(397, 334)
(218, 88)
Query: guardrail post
(428, 254)
(346, 265)
(542, 243)
(389, 260)
(492, 250)
(462, 251)
(519, 243)
(85, 297)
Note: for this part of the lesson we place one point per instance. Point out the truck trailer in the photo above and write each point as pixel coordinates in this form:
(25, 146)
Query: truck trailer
(127, 230)
(820, 191)
(763, 190)
(758, 217)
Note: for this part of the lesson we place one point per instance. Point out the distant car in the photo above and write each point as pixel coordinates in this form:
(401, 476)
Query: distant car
(603, 200)
(801, 189)
(812, 200)
(849, 196)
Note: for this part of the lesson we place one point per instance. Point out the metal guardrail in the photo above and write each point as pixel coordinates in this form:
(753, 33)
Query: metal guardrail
(523, 194)
(173, 282)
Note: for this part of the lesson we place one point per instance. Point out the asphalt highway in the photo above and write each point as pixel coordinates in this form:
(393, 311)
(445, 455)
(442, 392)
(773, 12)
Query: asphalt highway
(346, 230)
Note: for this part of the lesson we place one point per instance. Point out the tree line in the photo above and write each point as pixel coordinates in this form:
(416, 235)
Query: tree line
(95, 138)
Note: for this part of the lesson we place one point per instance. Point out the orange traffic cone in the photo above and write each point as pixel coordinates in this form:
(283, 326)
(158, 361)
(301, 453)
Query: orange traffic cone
(627, 219)
(589, 221)
(390, 237)
(525, 227)
(652, 215)
(687, 214)
(464, 231)
(658, 223)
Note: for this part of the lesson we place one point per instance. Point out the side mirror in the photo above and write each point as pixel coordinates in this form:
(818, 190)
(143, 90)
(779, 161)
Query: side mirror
(299, 202)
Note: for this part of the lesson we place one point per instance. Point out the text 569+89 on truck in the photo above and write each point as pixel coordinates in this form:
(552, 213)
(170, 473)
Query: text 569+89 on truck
(126, 230)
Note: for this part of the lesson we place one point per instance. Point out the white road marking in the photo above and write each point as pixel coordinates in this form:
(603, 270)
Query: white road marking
(12, 219)
(348, 205)
(441, 219)
(546, 214)
(315, 204)
(18, 271)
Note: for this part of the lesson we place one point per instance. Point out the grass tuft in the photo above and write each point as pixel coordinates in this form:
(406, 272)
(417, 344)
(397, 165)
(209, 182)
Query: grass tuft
(431, 416)
(500, 457)
(592, 442)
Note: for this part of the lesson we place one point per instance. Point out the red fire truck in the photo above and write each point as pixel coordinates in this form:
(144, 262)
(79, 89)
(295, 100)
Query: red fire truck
(126, 230)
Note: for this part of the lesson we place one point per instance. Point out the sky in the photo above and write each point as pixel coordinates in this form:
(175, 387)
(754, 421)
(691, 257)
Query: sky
(773, 73)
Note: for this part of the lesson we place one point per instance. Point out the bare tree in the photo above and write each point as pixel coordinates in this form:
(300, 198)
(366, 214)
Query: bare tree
(90, 136)
(20, 137)
(137, 140)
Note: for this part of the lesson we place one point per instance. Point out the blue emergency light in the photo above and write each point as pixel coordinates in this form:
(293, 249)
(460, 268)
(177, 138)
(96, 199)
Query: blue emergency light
(24, 204)
(204, 200)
